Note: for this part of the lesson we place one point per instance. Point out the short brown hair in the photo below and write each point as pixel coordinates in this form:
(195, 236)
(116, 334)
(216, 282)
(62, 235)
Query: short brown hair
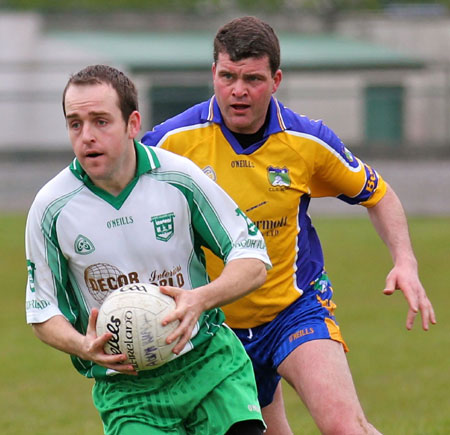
(248, 37)
(97, 74)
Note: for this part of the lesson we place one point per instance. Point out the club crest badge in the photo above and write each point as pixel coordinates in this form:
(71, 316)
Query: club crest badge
(348, 155)
(83, 245)
(164, 226)
(279, 177)
(209, 171)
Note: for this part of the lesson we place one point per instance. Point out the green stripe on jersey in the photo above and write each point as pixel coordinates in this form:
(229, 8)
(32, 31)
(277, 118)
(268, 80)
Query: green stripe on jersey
(70, 298)
(67, 295)
(207, 223)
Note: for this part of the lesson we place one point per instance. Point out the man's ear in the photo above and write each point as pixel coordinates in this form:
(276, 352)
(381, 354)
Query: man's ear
(134, 124)
(277, 80)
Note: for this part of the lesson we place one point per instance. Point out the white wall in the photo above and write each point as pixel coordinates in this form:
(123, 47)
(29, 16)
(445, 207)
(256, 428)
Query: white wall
(34, 69)
(33, 72)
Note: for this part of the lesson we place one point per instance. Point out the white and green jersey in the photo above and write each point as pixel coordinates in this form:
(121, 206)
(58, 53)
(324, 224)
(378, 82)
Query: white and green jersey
(83, 243)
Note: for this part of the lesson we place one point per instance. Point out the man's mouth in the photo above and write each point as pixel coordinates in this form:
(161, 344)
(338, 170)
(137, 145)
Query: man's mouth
(240, 107)
(93, 154)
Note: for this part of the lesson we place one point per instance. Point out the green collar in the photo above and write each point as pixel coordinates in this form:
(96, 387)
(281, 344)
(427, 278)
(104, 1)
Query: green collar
(146, 161)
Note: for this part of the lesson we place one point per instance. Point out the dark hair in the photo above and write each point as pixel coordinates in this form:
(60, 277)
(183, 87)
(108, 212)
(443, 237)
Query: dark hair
(98, 74)
(248, 37)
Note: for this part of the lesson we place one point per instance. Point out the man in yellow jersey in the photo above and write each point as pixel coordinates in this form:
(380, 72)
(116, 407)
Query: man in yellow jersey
(272, 161)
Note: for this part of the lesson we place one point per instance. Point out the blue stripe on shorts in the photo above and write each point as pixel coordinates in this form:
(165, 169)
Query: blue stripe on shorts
(304, 320)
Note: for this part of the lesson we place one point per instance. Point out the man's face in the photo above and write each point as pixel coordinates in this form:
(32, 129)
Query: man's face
(243, 90)
(102, 141)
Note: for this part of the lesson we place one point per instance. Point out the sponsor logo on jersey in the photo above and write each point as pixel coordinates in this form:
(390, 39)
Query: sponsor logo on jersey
(37, 304)
(124, 220)
(83, 245)
(270, 224)
(270, 227)
(209, 171)
(252, 244)
(172, 277)
(279, 177)
(103, 278)
(164, 226)
(242, 164)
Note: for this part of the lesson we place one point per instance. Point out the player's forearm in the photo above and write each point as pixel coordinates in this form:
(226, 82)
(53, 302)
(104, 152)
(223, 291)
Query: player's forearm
(57, 332)
(389, 220)
(238, 278)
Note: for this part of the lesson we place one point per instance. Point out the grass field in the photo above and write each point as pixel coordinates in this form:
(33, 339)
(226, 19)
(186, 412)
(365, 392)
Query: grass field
(403, 378)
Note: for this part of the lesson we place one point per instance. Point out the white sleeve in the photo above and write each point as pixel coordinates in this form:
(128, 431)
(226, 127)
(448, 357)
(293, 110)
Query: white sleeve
(41, 295)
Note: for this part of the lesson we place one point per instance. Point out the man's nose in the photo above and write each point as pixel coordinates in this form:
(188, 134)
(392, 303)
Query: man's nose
(87, 133)
(240, 88)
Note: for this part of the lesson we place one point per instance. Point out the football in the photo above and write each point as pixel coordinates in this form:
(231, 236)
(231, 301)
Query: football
(133, 314)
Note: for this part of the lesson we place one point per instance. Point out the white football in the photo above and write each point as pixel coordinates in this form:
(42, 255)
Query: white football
(133, 314)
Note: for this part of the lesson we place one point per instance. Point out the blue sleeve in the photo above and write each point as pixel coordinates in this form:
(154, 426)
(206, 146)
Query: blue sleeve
(194, 115)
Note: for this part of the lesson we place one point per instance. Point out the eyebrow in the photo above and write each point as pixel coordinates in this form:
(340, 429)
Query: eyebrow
(92, 113)
(247, 74)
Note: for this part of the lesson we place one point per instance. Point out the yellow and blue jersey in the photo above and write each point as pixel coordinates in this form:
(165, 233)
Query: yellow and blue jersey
(273, 182)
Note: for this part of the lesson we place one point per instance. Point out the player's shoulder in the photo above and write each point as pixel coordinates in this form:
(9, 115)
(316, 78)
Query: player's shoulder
(300, 123)
(170, 161)
(193, 117)
(302, 127)
(60, 186)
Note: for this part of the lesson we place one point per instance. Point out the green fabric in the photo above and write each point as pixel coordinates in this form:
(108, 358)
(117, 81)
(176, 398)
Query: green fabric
(202, 392)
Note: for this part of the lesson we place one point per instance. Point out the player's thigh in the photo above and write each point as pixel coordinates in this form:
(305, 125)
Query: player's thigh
(234, 400)
(319, 372)
(275, 415)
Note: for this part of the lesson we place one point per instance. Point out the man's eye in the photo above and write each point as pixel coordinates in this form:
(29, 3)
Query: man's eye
(75, 125)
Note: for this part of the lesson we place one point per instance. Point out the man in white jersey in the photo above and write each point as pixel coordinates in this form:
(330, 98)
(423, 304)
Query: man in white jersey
(124, 213)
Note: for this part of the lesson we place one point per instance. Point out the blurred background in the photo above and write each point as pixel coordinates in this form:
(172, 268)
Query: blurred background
(377, 72)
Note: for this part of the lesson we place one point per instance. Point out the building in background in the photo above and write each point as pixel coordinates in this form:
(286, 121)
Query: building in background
(378, 90)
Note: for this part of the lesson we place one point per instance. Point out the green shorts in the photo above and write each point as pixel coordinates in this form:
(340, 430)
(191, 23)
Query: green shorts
(205, 391)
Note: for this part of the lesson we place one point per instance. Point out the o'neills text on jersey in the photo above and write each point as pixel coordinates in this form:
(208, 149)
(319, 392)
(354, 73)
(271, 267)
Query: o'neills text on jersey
(124, 220)
(242, 164)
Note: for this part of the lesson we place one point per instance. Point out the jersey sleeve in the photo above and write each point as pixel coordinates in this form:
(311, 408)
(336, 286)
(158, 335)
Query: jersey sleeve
(41, 290)
(337, 172)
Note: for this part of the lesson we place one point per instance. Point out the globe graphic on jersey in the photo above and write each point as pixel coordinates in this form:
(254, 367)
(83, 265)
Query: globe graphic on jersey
(97, 276)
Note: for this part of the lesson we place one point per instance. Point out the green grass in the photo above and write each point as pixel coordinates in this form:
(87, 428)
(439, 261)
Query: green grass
(402, 377)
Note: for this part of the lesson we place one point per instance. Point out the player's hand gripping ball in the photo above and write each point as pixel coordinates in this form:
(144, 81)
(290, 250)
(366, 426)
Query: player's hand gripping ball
(133, 315)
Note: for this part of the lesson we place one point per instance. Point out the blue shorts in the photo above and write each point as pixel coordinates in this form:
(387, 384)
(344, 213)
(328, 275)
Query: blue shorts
(310, 317)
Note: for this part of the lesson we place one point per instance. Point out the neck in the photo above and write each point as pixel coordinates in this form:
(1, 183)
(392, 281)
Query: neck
(248, 139)
(120, 175)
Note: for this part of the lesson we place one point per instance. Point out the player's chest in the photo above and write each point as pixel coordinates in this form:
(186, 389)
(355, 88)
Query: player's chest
(147, 223)
(261, 182)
